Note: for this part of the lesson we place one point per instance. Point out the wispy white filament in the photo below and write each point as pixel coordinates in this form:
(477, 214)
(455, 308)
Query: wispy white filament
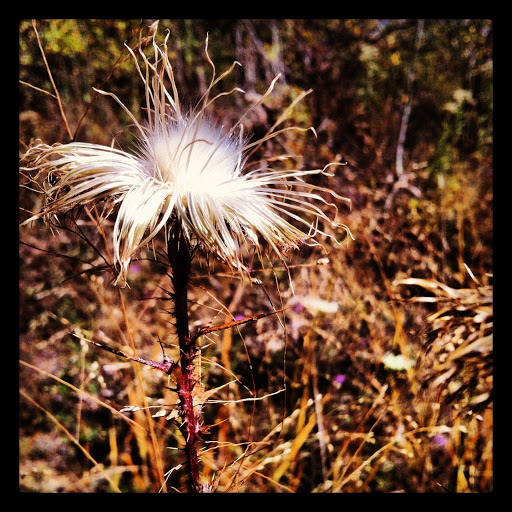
(188, 168)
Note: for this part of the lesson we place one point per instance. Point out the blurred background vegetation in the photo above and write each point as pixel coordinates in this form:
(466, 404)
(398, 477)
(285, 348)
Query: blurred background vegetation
(388, 360)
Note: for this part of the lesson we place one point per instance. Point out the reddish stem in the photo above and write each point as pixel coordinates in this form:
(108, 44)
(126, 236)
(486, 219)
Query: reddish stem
(179, 253)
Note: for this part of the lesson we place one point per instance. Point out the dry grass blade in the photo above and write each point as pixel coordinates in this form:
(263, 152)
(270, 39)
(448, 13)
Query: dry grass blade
(72, 439)
(299, 440)
(57, 96)
(88, 395)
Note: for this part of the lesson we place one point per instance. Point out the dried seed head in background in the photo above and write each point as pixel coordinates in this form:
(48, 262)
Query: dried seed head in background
(458, 355)
(189, 169)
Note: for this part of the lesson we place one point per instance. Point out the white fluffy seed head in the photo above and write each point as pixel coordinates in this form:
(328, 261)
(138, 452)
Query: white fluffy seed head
(191, 156)
(188, 168)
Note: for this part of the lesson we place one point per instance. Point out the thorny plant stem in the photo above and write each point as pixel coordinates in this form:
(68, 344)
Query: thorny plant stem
(180, 257)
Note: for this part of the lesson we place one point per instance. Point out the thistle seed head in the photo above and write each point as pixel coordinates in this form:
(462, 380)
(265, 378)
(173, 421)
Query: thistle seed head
(187, 168)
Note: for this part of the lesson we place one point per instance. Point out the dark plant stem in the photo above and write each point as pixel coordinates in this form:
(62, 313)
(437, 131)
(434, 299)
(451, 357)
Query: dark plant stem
(180, 258)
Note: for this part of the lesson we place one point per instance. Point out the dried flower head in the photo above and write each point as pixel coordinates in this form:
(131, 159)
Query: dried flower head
(188, 168)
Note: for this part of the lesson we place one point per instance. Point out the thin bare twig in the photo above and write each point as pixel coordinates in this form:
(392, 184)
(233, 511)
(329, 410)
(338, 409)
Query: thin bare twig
(253, 318)
(167, 366)
(37, 88)
(402, 182)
